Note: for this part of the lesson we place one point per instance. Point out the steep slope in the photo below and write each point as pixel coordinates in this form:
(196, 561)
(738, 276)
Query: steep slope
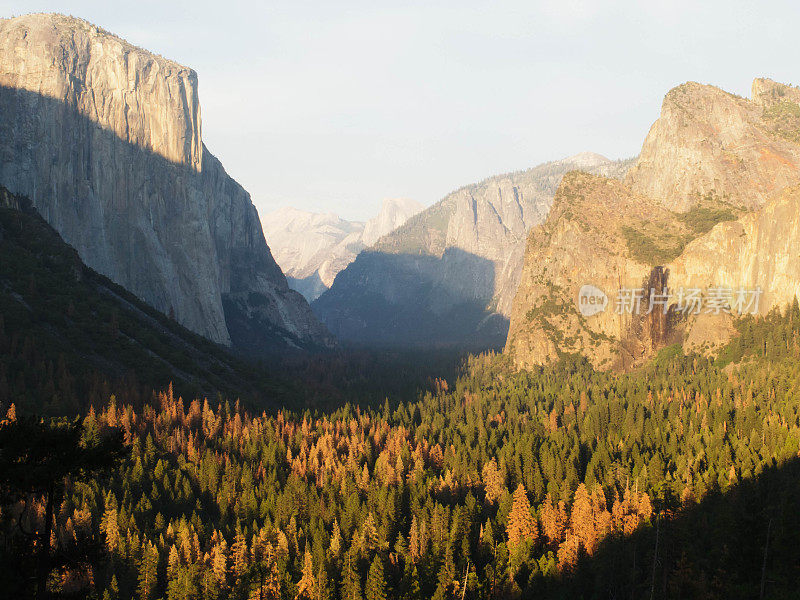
(598, 233)
(105, 138)
(708, 143)
(448, 275)
(312, 248)
(759, 250)
(67, 332)
(611, 236)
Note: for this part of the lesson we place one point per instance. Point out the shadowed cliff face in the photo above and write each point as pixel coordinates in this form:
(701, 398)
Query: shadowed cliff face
(402, 300)
(109, 151)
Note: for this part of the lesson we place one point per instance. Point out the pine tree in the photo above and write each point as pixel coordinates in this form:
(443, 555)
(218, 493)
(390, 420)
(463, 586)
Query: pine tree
(554, 520)
(270, 582)
(414, 592)
(582, 521)
(351, 580)
(376, 582)
(521, 526)
(446, 576)
(336, 539)
(182, 585)
(109, 525)
(239, 554)
(307, 586)
(148, 571)
(173, 562)
(324, 590)
(492, 481)
(219, 562)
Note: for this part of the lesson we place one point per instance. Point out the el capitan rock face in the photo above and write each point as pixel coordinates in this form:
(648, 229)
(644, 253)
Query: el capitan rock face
(105, 138)
(724, 211)
(449, 274)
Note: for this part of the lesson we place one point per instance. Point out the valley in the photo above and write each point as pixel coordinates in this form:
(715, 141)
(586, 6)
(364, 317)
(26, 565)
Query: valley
(201, 402)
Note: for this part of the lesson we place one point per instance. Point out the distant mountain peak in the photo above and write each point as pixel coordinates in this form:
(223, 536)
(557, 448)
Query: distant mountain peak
(587, 160)
(312, 248)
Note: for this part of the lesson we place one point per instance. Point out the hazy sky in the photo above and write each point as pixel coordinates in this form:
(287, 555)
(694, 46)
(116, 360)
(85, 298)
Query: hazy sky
(333, 106)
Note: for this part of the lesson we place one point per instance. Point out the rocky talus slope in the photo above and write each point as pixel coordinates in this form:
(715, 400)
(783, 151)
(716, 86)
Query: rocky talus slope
(713, 202)
(449, 274)
(312, 248)
(105, 138)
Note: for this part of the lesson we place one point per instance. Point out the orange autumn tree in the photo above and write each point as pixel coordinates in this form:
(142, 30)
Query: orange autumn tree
(492, 481)
(521, 526)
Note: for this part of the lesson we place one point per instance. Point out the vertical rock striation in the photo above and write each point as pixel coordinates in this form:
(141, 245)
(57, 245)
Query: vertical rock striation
(105, 138)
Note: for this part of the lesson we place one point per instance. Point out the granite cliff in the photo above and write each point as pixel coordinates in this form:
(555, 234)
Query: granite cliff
(758, 250)
(312, 248)
(105, 138)
(598, 233)
(709, 144)
(449, 274)
(713, 202)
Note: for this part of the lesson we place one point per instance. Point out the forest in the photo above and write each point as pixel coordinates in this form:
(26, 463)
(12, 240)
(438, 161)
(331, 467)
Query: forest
(676, 480)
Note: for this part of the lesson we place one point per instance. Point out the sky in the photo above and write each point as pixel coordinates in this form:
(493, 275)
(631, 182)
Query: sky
(334, 106)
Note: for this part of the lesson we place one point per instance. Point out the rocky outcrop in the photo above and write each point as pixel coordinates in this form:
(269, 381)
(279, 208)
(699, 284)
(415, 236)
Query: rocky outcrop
(105, 138)
(712, 204)
(708, 143)
(599, 234)
(449, 274)
(759, 250)
(313, 248)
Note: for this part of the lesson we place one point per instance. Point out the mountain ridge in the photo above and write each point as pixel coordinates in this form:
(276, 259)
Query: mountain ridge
(459, 259)
(705, 221)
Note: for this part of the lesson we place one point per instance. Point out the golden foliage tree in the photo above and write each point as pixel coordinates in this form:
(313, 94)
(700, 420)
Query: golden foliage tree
(492, 481)
(521, 525)
(307, 586)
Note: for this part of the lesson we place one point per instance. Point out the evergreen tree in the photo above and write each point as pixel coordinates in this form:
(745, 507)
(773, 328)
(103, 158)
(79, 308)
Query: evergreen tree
(376, 582)
(307, 586)
(148, 571)
(351, 580)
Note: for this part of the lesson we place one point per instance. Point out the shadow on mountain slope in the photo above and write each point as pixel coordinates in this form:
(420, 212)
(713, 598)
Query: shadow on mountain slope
(409, 300)
(188, 243)
(727, 546)
(70, 337)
